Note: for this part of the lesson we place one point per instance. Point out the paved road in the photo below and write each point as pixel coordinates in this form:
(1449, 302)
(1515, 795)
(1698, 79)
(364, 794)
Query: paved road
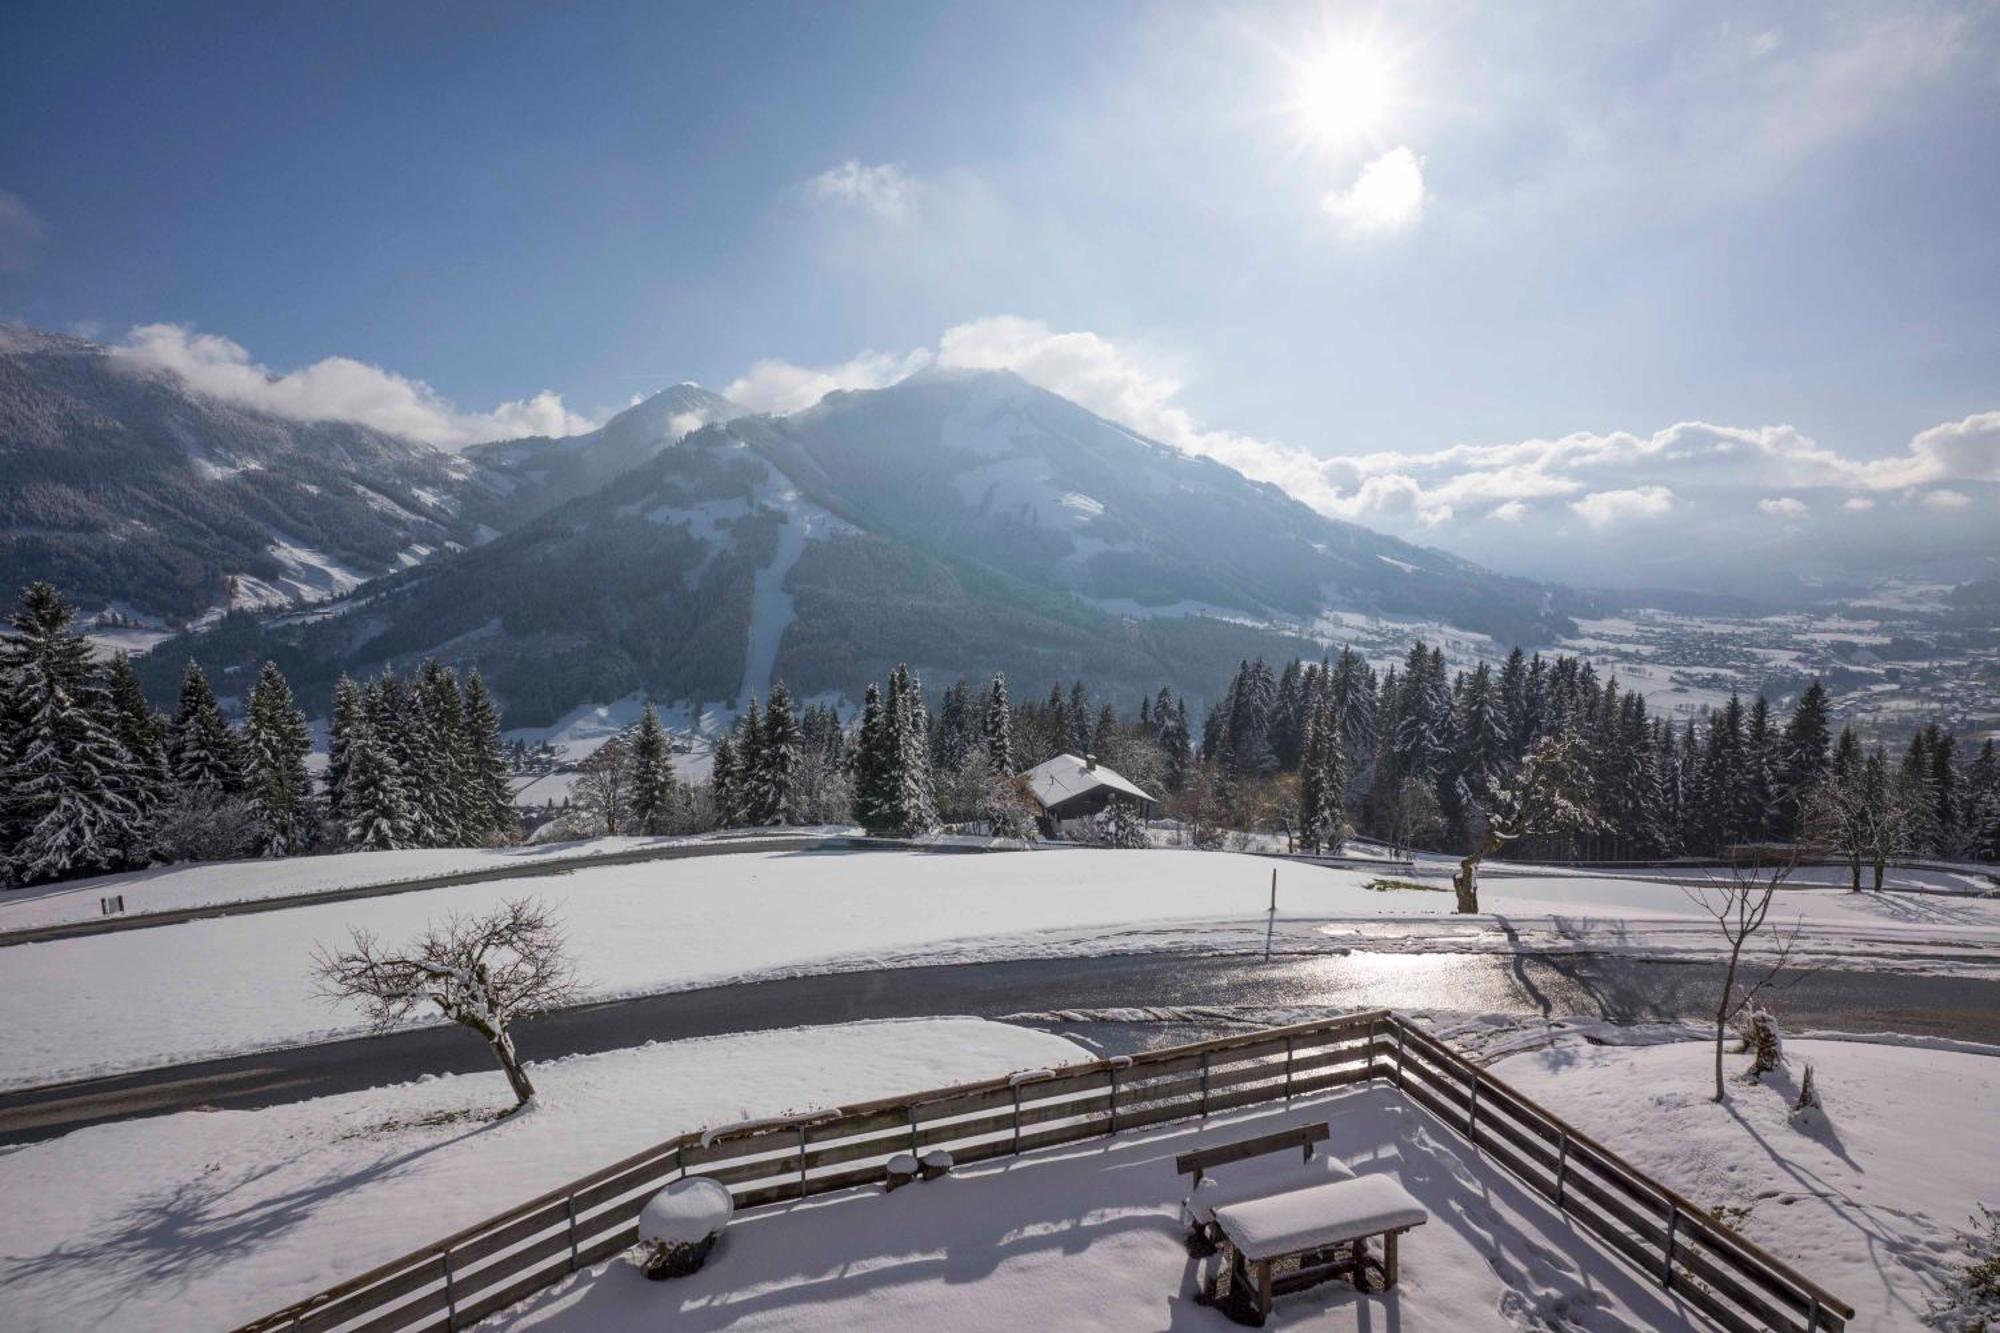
(1560, 985)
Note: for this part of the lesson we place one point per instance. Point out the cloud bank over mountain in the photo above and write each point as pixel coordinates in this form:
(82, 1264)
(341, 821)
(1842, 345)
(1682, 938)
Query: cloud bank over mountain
(1686, 502)
(339, 388)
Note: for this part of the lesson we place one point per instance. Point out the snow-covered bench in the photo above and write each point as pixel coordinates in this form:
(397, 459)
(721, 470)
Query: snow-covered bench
(1251, 1179)
(1324, 1228)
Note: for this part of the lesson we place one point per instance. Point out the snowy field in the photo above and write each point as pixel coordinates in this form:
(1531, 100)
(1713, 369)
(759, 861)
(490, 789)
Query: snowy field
(670, 925)
(213, 883)
(1866, 1202)
(203, 1220)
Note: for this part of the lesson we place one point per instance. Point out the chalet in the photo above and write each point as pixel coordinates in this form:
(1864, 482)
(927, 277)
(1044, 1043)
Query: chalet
(1069, 788)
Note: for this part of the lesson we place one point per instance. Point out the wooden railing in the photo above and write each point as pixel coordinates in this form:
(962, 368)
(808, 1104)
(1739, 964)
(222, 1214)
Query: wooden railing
(495, 1263)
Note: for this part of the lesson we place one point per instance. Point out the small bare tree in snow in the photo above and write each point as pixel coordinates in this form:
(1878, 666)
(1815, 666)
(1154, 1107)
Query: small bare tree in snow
(1547, 792)
(480, 971)
(1739, 902)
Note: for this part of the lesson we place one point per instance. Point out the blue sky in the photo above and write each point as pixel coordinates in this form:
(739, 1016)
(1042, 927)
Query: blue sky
(1492, 262)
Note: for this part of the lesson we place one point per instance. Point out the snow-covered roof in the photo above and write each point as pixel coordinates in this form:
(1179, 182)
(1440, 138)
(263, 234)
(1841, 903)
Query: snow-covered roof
(1066, 776)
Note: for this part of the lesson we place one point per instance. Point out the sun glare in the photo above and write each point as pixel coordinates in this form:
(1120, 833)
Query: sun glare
(1344, 92)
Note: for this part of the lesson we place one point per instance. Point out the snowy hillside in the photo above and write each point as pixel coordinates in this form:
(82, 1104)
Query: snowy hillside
(128, 489)
(964, 522)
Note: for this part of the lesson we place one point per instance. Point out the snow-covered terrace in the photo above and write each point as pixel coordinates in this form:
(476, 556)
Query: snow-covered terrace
(1088, 1237)
(1063, 1210)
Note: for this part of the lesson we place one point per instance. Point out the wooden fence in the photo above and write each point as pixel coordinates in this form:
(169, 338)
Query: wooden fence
(489, 1266)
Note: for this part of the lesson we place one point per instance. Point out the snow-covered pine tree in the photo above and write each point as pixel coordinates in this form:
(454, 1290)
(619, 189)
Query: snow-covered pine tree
(142, 733)
(1803, 755)
(347, 711)
(380, 815)
(748, 733)
(652, 775)
(202, 749)
(997, 726)
(724, 772)
(778, 760)
(444, 718)
(1323, 779)
(490, 790)
(1126, 828)
(278, 742)
(871, 765)
(908, 779)
(65, 790)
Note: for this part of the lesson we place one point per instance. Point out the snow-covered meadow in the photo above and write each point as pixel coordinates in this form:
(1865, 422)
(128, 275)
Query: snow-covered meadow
(203, 1220)
(234, 984)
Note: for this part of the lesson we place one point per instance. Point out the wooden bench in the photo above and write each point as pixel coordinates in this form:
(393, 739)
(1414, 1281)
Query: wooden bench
(1200, 1162)
(1322, 1230)
(1205, 1196)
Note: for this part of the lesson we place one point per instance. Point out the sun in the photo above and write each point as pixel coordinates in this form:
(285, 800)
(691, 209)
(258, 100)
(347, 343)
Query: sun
(1344, 92)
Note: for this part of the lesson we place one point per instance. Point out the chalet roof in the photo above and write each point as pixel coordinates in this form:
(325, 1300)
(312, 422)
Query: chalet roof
(1066, 777)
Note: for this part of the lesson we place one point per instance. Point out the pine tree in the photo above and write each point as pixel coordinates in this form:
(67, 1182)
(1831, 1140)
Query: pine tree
(773, 788)
(1322, 779)
(142, 733)
(280, 788)
(871, 765)
(380, 815)
(65, 799)
(457, 805)
(652, 775)
(724, 772)
(997, 726)
(491, 790)
(1803, 756)
(348, 704)
(908, 779)
(202, 750)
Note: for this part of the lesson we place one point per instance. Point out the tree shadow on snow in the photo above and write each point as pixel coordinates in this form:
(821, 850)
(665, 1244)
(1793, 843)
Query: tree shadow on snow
(174, 1236)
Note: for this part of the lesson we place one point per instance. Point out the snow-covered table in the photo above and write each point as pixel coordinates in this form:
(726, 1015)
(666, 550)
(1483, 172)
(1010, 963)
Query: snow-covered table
(681, 1224)
(1311, 1225)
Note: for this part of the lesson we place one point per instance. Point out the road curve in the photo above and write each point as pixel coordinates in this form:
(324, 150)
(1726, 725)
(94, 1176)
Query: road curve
(1612, 987)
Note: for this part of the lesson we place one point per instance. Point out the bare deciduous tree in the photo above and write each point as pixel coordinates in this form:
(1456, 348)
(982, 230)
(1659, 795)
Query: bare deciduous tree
(1739, 902)
(604, 786)
(480, 971)
(1547, 792)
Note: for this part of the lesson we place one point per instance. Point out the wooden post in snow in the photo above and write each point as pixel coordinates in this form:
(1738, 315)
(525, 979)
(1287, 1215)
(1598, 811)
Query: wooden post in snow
(1271, 917)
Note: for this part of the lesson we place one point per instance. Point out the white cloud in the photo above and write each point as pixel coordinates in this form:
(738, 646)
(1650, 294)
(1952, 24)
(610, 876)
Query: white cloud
(1784, 506)
(780, 387)
(1511, 512)
(21, 234)
(1601, 509)
(339, 389)
(886, 191)
(1946, 499)
(1388, 196)
(1859, 504)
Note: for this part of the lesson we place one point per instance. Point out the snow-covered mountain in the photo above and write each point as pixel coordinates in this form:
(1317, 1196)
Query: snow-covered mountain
(516, 480)
(962, 521)
(129, 490)
(135, 493)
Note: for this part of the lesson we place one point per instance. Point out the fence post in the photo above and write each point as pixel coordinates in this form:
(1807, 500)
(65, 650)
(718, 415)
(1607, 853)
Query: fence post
(450, 1297)
(802, 1161)
(1667, 1267)
(1113, 1129)
(913, 1129)
(1812, 1316)
(1204, 1085)
(1017, 1119)
(569, 1202)
(1400, 1085)
(1562, 1166)
(1472, 1114)
(1288, 1069)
